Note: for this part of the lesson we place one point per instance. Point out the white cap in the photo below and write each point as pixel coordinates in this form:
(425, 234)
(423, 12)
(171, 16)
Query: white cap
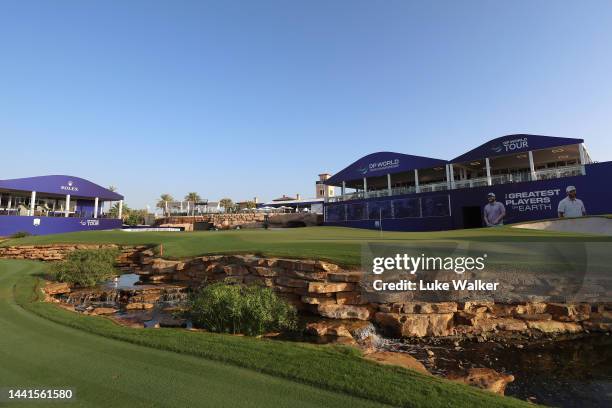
(491, 194)
(570, 188)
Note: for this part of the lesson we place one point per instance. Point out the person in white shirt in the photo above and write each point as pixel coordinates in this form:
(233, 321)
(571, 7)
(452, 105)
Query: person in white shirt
(494, 212)
(571, 206)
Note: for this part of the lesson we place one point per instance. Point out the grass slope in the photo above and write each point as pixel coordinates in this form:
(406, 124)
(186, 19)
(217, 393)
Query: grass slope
(141, 370)
(342, 245)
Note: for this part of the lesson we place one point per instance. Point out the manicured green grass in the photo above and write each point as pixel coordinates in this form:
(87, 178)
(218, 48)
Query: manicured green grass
(110, 365)
(342, 245)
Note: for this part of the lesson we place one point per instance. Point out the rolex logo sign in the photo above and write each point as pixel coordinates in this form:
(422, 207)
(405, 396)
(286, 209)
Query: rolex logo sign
(69, 186)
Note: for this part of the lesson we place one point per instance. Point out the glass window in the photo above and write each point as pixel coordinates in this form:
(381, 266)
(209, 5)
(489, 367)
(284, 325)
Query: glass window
(335, 213)
(436, 206)
(356, 211)
(379, 209)
(406, 208)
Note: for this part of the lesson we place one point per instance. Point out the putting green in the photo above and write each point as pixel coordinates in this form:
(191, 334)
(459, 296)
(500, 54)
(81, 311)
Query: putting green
(342, 245)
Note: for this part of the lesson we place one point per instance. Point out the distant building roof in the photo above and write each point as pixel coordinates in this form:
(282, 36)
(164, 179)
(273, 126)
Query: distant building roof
(61, 185)
(294, 201)
(381, 163)
(285, 198)
(509, 144)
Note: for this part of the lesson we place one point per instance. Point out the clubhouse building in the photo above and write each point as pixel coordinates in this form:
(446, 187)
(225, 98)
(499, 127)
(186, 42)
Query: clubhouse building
(527, 173)
(54, 204)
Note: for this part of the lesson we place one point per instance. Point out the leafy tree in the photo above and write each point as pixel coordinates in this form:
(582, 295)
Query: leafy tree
(192, 198)
(227, 204)
(129, 215)
(114, 211)
(250, 204)
(162, 204)
(135, 217)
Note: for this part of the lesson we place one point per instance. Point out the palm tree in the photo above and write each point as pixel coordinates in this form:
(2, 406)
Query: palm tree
(227, 204)
(192, 198)
(162, 204)
(114, 211)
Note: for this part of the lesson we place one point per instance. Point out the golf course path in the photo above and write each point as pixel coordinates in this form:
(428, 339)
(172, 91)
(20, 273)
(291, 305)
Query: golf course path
(35, 352)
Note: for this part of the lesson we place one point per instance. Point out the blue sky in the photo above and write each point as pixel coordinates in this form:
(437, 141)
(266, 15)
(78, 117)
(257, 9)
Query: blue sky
(255, 98)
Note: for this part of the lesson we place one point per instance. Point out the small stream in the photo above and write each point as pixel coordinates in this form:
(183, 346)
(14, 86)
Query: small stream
(167, 299)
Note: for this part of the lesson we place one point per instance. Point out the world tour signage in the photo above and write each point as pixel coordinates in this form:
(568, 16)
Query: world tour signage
(540, 200)
(511, 145)
(69, 187)
(379, 166)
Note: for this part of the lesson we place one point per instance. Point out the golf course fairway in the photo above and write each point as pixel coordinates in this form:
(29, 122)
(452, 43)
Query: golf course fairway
(35, 352)
(107, 365)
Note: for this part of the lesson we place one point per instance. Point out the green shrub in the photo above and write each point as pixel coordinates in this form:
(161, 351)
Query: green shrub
(250, 310)
(133, 219)
(20, 234)
(86, 267)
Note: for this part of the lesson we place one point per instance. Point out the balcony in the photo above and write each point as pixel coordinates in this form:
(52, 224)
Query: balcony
(560, 172)
(426, 188)
(545, 174)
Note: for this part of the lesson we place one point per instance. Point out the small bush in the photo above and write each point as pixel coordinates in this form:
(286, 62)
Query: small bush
(20, 234)
(250, 310)
(86, 267)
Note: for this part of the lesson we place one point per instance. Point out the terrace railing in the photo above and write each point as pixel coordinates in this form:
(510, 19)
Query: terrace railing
(374, 194)
(425, 188)
(476, 182)
(559, 172)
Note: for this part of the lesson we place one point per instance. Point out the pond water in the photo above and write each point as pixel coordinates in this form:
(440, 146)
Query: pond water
(567, 373)
(125, 281)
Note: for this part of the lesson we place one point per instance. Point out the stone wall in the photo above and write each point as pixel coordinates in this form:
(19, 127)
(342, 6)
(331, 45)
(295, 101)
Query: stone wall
(327, 290)
(128, 256)
(243, 220)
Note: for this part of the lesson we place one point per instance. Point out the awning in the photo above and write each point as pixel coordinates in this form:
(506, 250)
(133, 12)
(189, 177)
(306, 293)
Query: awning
(510, 144)
(382, 163)
(61, 185)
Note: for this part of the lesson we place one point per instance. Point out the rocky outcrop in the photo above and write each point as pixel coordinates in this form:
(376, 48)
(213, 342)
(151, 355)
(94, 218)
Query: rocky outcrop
(139, 306)
(243, 220)
(397, 359)
(326, 289)
(103, 311)
(415, 324)
(555, 327)
(343, 312)
(307, 284)
(129, 256)
(485, 378)
(106, 300)
(57, 288)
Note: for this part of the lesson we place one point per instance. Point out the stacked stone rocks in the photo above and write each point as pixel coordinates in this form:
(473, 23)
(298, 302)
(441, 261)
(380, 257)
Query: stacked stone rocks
(325, 289)
(242, 220)
(128, 258)
(476, 318)
(314, 286)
